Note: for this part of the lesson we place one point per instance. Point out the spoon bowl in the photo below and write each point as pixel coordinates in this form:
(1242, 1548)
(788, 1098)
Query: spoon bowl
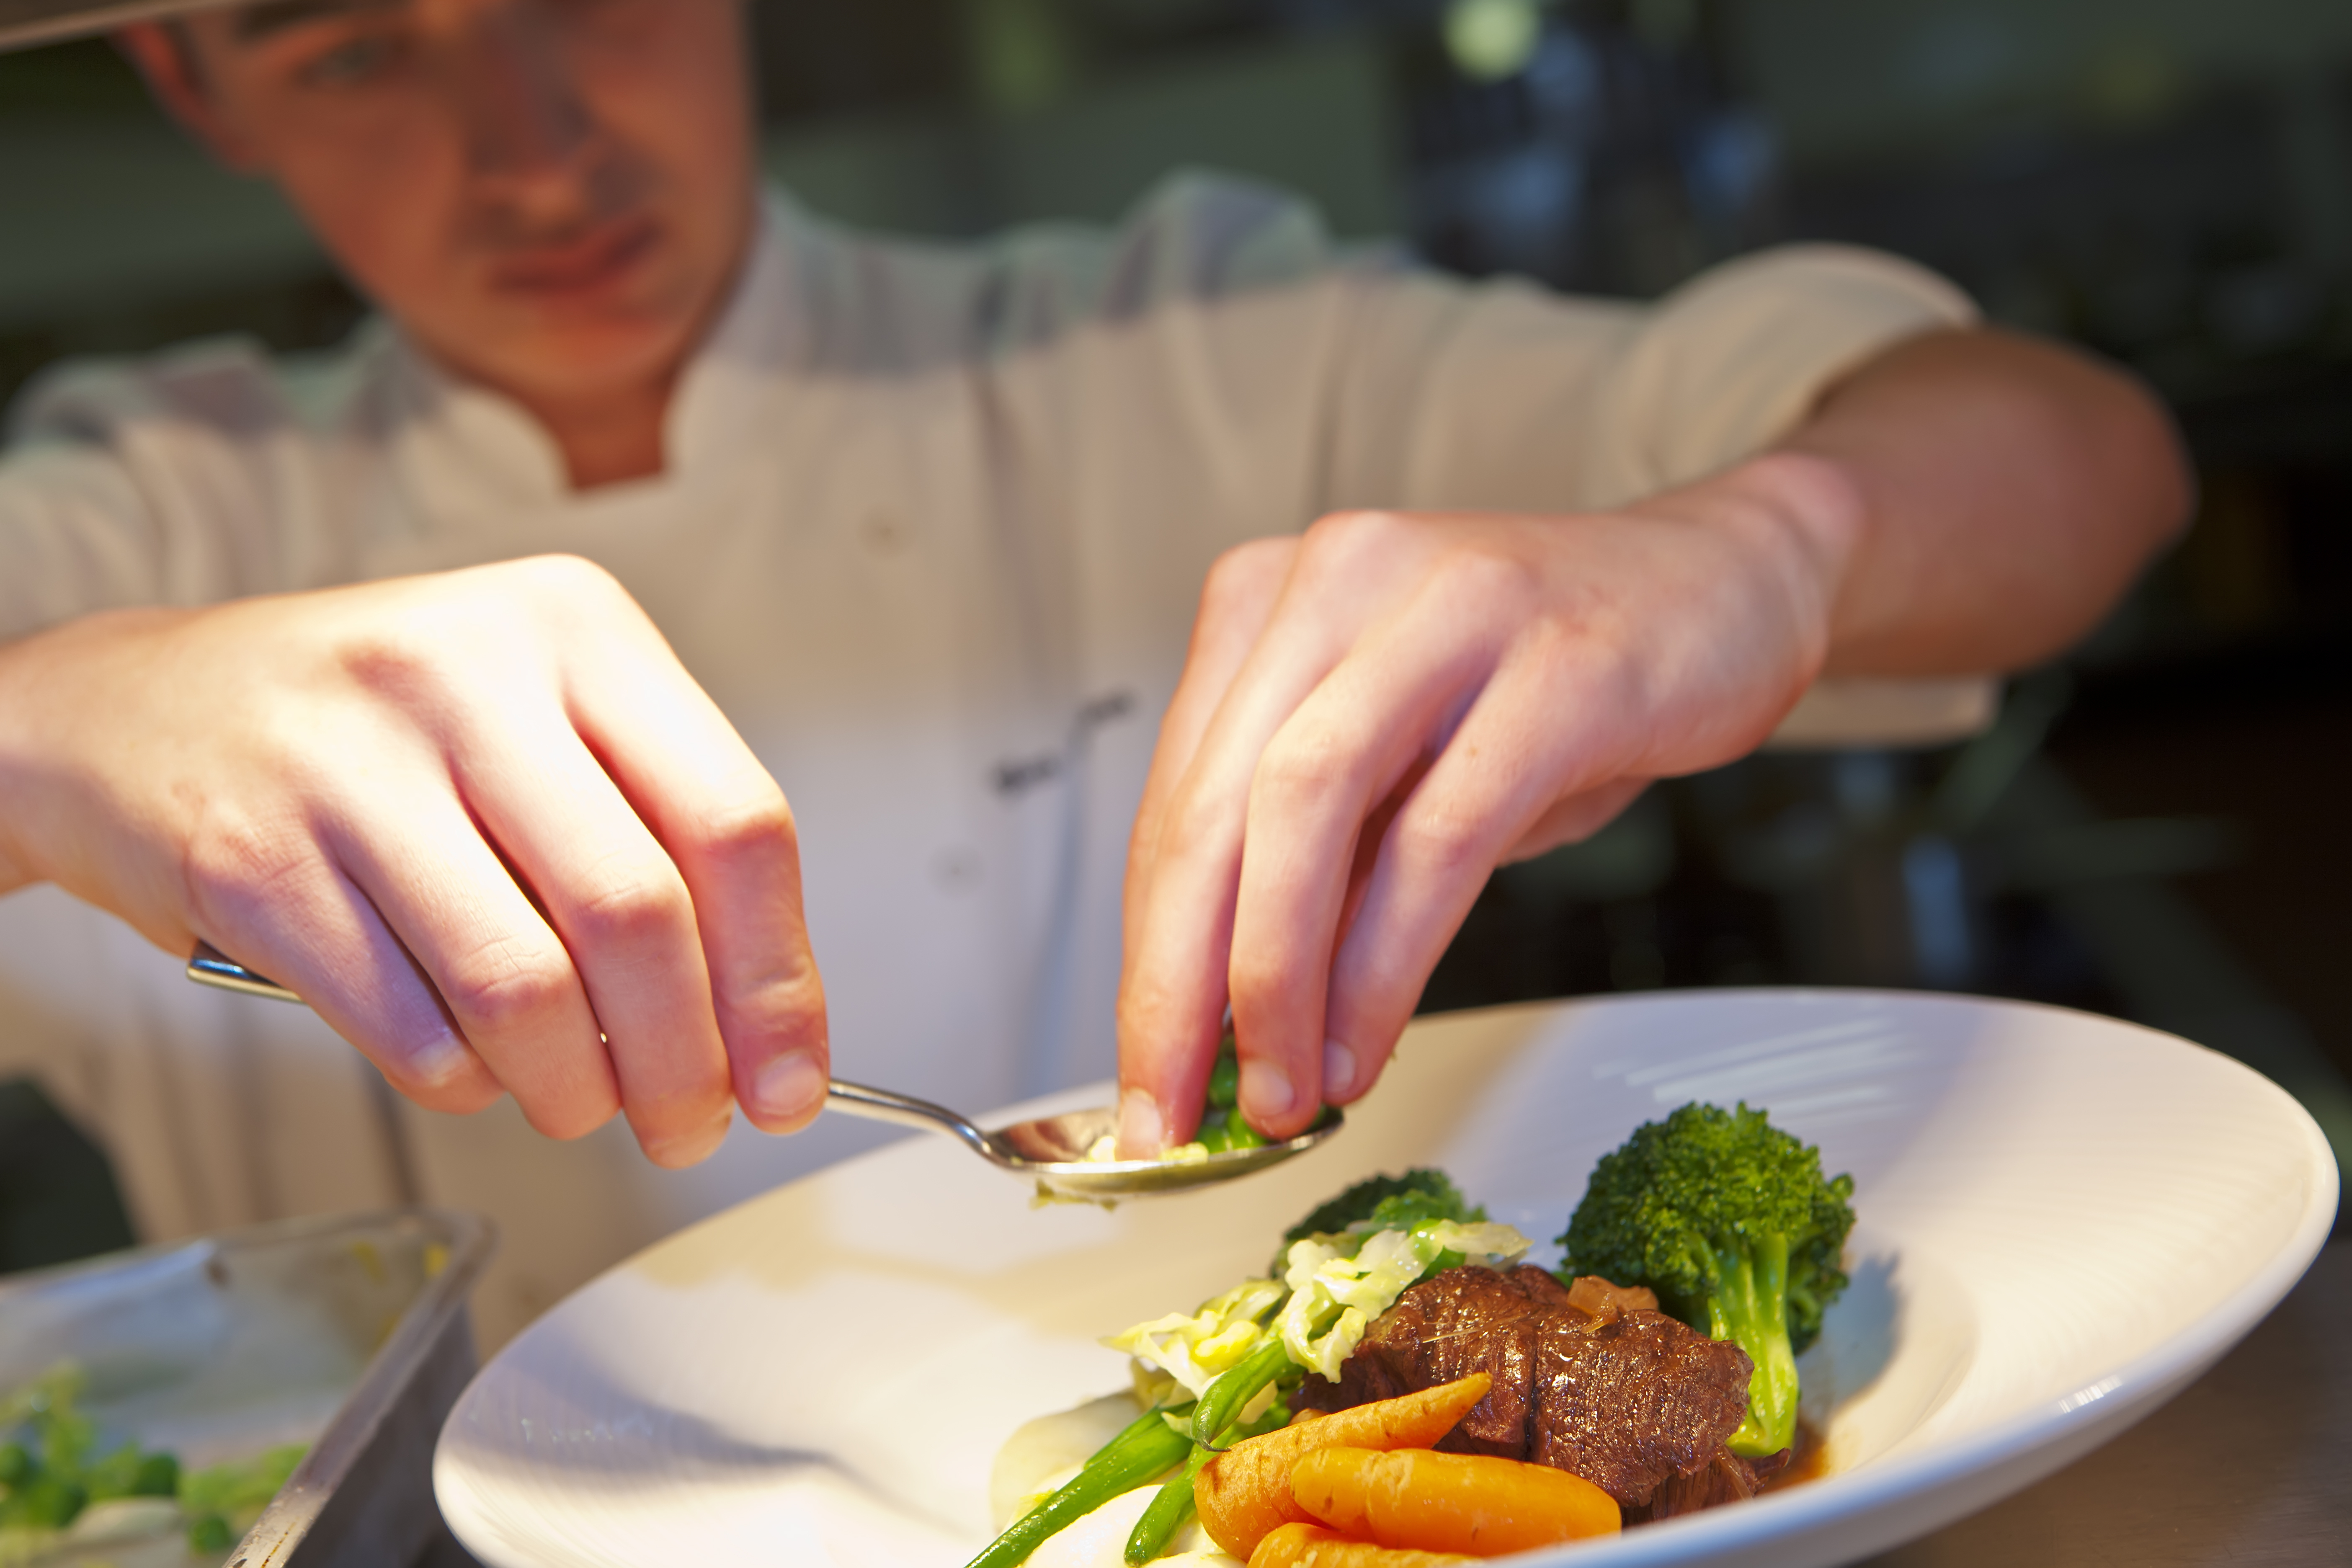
(1051, 1150)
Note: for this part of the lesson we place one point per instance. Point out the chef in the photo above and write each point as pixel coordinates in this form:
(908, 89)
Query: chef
(681, 645)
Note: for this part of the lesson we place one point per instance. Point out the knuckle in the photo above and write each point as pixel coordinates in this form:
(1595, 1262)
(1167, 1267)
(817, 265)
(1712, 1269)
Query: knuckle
(789, 1007)
(507, 986)
(1500, 585)
(568, 576)
(1347, 532)
(1196, 829)
(1248, 562)
(236, 863)
(757, 824)
(1258, 972)
(406, 662)
(1298, 768)
(624, 903)
(1442, 842)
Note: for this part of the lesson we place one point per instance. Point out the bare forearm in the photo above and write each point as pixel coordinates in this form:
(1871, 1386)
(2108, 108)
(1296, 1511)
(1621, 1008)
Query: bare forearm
(2008, 493)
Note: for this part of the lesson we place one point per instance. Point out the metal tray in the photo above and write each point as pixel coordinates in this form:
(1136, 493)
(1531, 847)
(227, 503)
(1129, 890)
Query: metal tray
(348, 1333)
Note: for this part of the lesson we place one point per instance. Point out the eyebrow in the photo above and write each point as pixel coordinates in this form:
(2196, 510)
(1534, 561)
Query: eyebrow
(276, 15)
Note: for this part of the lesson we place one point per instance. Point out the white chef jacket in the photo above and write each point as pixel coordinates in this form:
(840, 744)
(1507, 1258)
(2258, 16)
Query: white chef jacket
(931, 534)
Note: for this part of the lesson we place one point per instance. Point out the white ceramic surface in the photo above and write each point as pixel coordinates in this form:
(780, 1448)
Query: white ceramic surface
(2062, 1219)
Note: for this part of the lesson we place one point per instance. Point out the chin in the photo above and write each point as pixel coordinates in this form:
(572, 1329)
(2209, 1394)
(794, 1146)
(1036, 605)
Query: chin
(579, 361)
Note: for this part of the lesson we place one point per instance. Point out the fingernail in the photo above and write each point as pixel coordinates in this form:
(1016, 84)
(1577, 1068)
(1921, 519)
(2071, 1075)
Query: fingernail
(1142, 1134)
(693, 1149)
(1338, 1071)
(440, 1060)
(1266, 1093)
(788, 1087)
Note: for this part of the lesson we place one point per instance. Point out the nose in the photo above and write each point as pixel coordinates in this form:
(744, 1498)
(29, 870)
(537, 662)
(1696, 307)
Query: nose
(526, 124)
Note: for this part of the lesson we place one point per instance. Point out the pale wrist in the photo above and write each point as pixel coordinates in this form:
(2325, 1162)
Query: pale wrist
(17, 749)
(55, 697)
(1798, 519)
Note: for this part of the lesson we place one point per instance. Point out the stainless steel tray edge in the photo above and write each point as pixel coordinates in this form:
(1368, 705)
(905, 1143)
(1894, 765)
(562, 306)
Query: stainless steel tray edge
(353, 1501)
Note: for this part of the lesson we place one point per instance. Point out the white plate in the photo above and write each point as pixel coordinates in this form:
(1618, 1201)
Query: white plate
(2062, 1219)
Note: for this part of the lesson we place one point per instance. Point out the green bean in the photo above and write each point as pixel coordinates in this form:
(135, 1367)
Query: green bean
(1148, 1448)
(1168, 1512)
(1173, 1506)
(1237, 1386)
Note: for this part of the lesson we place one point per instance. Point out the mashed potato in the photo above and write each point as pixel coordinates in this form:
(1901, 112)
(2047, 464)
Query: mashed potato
(1046, 1453)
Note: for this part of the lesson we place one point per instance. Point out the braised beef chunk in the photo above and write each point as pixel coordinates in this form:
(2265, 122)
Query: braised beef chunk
(1587, 1381)
(1628, 1404)
(1462, 1321)
(1729, 1478)
(1592, 1294)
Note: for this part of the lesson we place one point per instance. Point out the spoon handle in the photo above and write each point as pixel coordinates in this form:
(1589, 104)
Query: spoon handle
(905, 1110)
(210, 966)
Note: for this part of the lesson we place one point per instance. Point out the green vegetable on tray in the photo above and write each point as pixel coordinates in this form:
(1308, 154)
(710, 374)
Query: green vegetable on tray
(48, 1475)
(1731, 1222)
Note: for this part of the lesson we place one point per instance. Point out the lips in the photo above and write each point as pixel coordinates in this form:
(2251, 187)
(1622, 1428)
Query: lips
(583, 263)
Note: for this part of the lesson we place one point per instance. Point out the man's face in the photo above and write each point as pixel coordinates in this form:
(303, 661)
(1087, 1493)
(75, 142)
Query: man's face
(552, 195)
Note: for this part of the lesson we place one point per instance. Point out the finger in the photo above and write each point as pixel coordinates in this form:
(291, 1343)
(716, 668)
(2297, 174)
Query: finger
(1179, 934)
(1236, 602)
(1316, 795)
(731, 834)
(1173, 997)
(1511, 755)
(317, 934)
(501, 973)
(627, 919)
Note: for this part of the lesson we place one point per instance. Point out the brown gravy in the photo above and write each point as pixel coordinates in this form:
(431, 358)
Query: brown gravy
(1808, 1463)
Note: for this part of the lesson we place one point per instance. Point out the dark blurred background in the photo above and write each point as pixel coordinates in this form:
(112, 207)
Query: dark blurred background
(2157, 828)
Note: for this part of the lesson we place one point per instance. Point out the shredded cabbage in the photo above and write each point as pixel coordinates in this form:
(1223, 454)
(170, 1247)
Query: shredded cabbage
(1334, 1295)
(1332, 1289)
(1195, 1349)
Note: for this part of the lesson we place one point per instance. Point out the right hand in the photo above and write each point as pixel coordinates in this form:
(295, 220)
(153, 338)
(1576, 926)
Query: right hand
(482, 822)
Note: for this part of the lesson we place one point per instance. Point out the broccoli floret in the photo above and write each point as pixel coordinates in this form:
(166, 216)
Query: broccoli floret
(1730, 1221)
(1384, 1203)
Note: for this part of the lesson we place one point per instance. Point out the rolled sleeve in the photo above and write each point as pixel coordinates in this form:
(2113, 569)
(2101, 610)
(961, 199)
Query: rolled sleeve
(1734, 362)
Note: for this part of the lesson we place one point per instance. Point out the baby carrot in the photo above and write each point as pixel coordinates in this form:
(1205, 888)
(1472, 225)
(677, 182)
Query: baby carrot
(1312, 1546)
(1472, 1503)
(1244, 1491)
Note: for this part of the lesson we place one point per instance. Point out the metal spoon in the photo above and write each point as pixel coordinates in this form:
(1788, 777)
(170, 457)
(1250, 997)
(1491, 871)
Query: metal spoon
(1052, 1148)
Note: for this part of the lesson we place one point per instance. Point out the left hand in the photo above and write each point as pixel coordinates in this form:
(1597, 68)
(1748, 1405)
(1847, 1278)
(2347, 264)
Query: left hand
(1375, 715)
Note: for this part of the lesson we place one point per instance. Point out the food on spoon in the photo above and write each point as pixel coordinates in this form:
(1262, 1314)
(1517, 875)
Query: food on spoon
(1246, 1492)
(1731, 1222)
(1312, 1546)
(1473, 1503)
(1222, 1128)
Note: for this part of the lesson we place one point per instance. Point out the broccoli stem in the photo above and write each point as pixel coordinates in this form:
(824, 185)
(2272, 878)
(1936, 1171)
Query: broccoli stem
(1748, 1303)
(1149, 1447)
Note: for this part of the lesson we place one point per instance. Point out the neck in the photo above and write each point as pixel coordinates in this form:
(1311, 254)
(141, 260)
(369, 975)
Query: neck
(610, 438)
